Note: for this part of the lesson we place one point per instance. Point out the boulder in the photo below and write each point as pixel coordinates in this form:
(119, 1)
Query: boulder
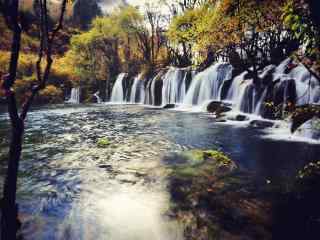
(309, 129)
(303, 114)
(169, 106)
(218, 107)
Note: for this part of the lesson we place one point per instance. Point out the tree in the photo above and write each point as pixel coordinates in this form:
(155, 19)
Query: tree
(183, 34)
(84, 12)
(302, 18)
(125, 40)
(250, 31)
(10, 11)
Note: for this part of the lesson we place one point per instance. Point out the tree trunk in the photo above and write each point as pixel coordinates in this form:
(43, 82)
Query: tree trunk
(9, 222)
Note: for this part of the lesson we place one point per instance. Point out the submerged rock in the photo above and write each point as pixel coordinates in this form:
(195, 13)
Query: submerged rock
(103, 142)
(199, 162)
(261, 124)
(238, 117)
(105, 166)
(214, 200)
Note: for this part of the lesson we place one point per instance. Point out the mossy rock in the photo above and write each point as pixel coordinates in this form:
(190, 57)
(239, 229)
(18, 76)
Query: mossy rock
(103, 142)
(214, 199)
(202, 163)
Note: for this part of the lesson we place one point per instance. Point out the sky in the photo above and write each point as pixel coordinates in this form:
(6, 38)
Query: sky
(110, 4)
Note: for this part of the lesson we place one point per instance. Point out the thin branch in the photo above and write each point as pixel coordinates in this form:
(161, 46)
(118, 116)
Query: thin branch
(46, 45)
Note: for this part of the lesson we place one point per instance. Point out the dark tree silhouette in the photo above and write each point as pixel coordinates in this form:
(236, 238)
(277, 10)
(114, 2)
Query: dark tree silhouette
(10, 11)
(85, 11)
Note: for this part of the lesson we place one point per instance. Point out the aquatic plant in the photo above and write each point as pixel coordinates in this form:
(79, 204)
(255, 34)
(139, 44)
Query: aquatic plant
(103, 142)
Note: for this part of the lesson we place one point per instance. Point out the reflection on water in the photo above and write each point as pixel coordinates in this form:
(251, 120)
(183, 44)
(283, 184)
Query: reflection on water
(71, 189)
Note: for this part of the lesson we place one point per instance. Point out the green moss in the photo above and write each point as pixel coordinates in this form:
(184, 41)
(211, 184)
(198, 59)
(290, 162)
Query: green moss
(220, 157)
(194, 157)
(201, 163)
(103, 142)
(310, 170)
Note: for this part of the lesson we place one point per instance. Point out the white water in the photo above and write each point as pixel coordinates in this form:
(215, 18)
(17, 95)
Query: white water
(307, 86)
(237, 90)
(170, 86)
(247, 98)
(174, 86)
(207, 85)
(138, 90)
(150, 90)
(117, 95)
(97, 97)
(75, 96)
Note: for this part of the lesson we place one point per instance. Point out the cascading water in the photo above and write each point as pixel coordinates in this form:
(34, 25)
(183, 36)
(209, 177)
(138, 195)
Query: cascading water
(174, 86)
(96, 95)
(307, 86)
(151, 87)
(138, 90)
(280, 84)
(239, 92)
(286, 84)
(207, 85)
(258, 107)
(117, 95)
(75, 96)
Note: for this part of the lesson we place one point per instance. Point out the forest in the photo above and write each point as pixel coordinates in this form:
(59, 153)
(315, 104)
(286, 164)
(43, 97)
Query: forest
(159, 119)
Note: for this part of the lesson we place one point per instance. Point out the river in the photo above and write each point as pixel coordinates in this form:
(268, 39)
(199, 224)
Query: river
(69, 188)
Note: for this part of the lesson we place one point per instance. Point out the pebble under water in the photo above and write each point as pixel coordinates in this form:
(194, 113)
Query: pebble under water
(69, 188)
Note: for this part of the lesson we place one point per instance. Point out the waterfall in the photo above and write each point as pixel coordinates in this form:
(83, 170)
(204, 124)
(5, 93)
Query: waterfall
(279, 84)
(258, 108)
(75, 96)
(174, 86)
(150, 99)
(242, 94)
(282, 84)
(97, 97)
(307, 86)
(207, 85)
(117, 95)
(168, 86)
(137, 90)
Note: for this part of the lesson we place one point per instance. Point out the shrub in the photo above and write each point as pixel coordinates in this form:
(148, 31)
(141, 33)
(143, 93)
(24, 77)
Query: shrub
(51, 94)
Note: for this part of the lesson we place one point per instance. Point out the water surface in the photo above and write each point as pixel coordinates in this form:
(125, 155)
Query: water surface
(71, 189)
